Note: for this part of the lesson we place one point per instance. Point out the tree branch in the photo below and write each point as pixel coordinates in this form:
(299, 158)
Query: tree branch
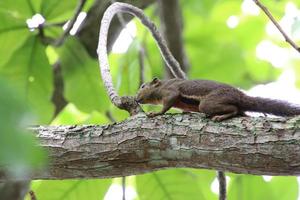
(262, 146)
(286, 37)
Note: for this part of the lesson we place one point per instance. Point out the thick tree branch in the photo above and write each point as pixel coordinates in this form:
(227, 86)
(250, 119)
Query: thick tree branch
(262, 146)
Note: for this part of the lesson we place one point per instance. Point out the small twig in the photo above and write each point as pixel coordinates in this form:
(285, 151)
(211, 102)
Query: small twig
(54, 24)
(142, 65)
(70, 25)
(110, 117)
(123, 188)
(58, 98)
(32, 195)
(222, 185)
(286, 37)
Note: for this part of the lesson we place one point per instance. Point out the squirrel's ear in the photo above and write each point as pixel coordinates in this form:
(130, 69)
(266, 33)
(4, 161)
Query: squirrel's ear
(156, 82)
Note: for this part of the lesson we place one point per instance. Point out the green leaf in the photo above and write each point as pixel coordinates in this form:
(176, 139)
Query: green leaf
(125, 70)
(215, 50)
(175, 184)
(83, 85)
(29, 71)
(284, 188)
(244, 187)
(71, 115)
(19, 10)
(202, 8)
(13, 28)
(70, 189)
(56, 10)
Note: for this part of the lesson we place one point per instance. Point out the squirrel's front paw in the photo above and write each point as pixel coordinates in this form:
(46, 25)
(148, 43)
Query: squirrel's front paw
(151, 114)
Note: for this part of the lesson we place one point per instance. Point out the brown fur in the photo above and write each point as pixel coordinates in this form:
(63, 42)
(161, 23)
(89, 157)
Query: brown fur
(217, 100)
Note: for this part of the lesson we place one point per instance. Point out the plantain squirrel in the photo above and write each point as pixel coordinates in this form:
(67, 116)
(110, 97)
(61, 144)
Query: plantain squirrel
(217, 100)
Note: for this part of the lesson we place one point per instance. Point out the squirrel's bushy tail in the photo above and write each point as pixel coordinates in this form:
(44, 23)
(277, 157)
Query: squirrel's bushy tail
(270, 106)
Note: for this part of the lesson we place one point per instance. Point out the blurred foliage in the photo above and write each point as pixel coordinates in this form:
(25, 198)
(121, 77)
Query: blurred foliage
(70, 189)
(176, 184)
(18, 149)
(215, 51)
(248, 187)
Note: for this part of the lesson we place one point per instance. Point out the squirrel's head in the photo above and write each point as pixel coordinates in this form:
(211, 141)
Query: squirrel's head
(147, 92)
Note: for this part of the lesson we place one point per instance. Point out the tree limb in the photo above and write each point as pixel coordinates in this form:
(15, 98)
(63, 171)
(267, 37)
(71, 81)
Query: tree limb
(261, 146)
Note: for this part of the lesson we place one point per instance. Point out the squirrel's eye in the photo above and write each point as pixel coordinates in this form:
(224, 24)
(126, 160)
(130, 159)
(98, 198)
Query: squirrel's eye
(143, 85)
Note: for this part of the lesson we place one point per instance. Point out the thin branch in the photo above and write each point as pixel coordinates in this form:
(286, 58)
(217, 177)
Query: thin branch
(58, 98)
(142, 64)
(102, 46)
(71, 23)
(222, 185)
(32, 195)
(59, 24)
(124, 188)
(286, 37)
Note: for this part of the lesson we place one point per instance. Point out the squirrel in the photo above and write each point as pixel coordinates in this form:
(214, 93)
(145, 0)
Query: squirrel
(219, 101)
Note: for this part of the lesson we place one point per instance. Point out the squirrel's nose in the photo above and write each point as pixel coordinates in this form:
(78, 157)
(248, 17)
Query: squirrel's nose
(137, 99)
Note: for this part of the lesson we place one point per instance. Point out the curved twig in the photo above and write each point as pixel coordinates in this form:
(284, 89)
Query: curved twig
(102, 47)
(286, 37)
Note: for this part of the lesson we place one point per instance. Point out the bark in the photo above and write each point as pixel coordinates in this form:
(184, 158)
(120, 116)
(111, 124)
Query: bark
(262, 146)
(89, 31)
(172, 29)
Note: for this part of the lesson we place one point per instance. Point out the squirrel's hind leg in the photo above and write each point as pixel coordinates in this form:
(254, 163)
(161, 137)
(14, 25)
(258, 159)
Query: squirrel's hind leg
(218, 109)
(220, 117)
